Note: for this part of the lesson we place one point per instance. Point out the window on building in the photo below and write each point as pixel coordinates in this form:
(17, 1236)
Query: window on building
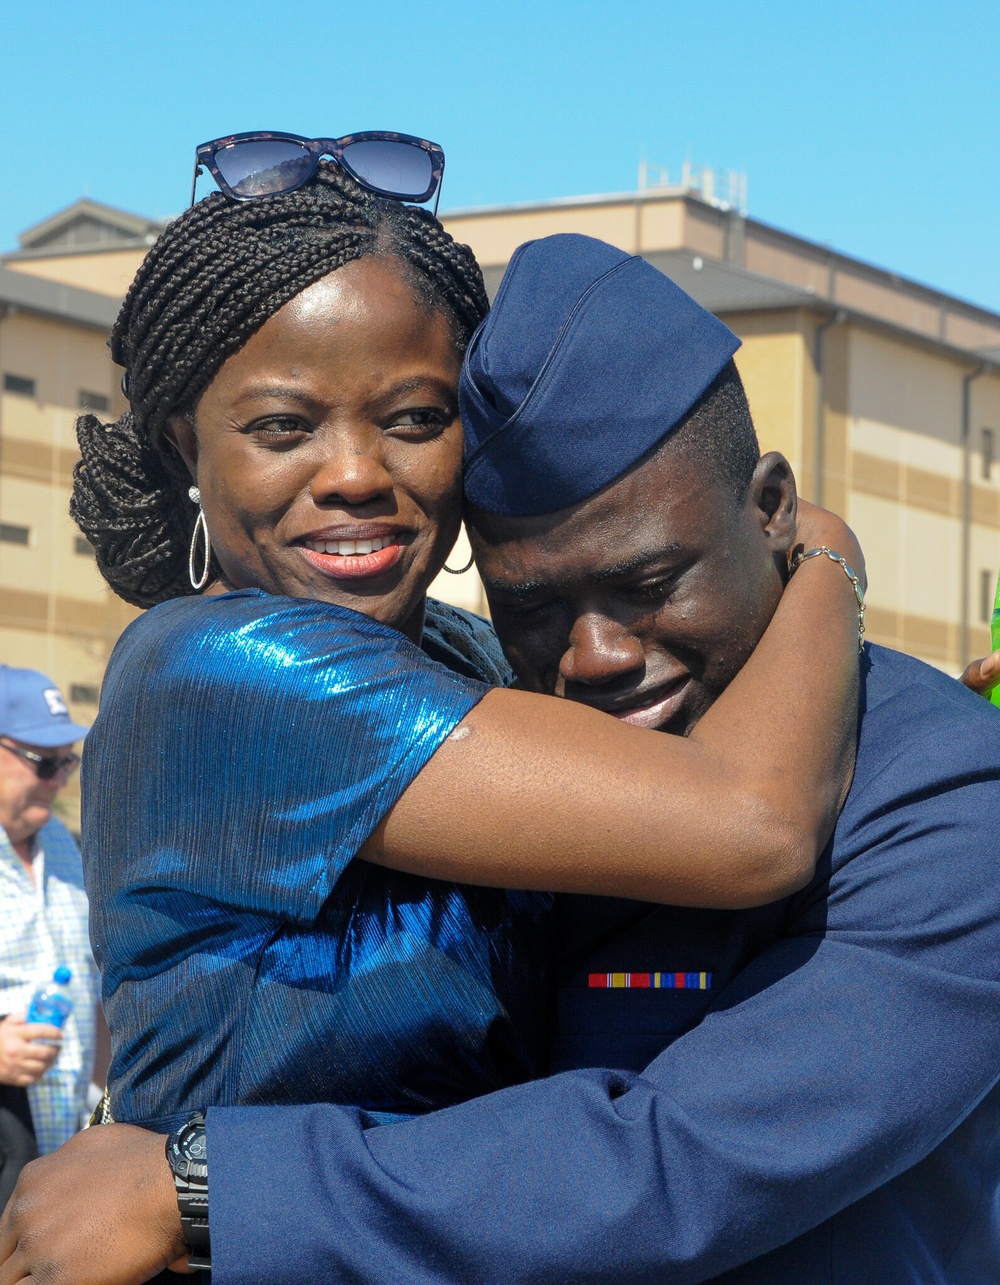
(988, 446)
(20, 384)
(987, 592)
(84, 694)
(94, 401)
(12, 534)
(82, 546)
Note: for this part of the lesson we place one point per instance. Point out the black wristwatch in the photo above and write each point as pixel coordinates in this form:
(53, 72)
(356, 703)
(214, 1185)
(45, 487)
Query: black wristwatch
(187, 1156)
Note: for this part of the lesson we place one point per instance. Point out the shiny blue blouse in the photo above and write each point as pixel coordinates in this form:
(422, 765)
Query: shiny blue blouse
(246, 747)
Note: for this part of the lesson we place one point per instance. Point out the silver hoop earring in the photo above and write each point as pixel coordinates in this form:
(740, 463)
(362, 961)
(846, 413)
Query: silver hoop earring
(460, 571)
(199, 582)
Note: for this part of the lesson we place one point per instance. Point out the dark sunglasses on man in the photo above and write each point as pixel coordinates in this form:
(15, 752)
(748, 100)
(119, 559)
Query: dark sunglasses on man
(262, 163)
(46, 765)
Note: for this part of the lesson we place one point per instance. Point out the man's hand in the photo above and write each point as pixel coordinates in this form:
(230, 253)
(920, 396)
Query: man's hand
(102, 1210)
(983, 675)
(27, 1049)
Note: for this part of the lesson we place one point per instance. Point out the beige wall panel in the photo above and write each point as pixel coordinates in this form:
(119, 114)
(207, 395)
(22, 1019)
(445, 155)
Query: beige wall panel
(872, 440)
(25, 418)
(494, 238)
(931, 560)
(904, 387)
(93, 623)
(27, 648)
(986, 505)
(875, 475)
(986, 398)
(770, 365)
(878, 525)
(836, 350)
(930, 491)
(979, 645)
(932, 641)
(929, 640)
(61, 358)
(883, 626)
(704, 230)
(661, 225)
(36, 461)
(49, 563)
(913, 558)
(73, 575)
(774, 257)
(27, 504)
(984, 555)
(892, 302)
(970, 332)
(107, 272)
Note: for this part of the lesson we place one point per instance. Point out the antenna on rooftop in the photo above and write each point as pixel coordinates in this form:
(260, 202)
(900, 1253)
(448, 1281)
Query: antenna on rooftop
(652, 177)
(725, 189)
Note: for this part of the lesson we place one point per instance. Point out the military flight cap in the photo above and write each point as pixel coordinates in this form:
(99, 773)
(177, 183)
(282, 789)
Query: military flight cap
(588, 359)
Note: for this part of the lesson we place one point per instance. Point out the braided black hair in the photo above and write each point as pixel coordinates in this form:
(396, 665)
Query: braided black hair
(212, 279)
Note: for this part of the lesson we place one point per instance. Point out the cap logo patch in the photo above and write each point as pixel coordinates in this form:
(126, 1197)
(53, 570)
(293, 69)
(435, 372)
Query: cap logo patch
(54, 700)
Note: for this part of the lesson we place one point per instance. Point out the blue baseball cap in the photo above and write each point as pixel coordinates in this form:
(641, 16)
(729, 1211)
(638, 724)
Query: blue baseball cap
(32, 709)
(587, 359)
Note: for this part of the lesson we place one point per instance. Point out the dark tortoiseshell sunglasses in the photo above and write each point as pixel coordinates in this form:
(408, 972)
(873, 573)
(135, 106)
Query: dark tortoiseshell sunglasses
(262, 163)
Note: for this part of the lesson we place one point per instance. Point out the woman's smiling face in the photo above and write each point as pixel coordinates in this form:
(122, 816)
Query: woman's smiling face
(328, 450)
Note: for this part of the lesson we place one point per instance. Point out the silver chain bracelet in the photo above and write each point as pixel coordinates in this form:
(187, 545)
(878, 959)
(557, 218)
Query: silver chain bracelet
(851, 574)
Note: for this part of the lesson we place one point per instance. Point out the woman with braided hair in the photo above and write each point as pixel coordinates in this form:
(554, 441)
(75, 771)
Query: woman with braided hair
(282, 491)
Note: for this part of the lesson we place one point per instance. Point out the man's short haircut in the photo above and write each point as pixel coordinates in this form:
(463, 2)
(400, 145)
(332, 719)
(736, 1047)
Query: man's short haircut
(719, 434)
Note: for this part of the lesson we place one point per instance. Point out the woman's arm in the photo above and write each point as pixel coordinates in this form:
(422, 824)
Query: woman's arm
(530, 792)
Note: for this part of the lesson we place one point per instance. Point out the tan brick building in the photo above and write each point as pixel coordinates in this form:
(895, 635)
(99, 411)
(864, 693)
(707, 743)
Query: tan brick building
(884, 394)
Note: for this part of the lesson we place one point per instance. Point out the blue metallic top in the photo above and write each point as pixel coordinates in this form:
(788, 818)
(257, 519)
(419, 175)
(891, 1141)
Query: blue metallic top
(246, 747)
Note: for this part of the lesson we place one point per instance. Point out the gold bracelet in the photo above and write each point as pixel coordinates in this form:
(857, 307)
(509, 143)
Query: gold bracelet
(851, 574)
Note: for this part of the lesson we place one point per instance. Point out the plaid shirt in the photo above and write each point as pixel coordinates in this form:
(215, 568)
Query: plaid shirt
(45, 925)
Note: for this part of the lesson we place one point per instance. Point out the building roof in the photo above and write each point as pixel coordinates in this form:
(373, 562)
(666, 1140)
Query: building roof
(46, 298)
(87, 225)
(717, 286)
(725, 287)
(834, 259)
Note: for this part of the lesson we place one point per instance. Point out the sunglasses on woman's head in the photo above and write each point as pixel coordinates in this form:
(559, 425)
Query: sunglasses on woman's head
(262, 163)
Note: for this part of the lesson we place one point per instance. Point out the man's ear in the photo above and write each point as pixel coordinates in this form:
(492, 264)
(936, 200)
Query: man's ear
(179, 430)
(774, 500)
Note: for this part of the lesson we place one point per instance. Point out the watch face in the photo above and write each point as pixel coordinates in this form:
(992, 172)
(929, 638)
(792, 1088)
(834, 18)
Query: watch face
(187, 1153)
(191, 1144)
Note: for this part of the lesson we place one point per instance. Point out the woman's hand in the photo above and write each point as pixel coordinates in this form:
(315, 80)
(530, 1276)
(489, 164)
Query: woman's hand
(983, 675)
(102, 1210)
(816, 526)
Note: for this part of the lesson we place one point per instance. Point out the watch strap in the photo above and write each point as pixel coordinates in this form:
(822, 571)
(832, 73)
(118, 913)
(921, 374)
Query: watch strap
(190, 1172)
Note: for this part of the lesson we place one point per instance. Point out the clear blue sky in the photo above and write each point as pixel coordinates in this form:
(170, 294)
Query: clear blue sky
(870, 126)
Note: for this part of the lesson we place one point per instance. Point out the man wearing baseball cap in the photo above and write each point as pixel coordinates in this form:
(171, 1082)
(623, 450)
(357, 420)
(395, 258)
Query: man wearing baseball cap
(44, 1071)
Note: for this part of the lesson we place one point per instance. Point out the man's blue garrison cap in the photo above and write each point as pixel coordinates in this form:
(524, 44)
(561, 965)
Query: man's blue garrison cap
(589, 357)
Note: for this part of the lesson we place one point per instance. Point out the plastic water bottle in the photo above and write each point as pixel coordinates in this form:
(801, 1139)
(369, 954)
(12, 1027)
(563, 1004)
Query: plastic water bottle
(995, 635)
(51, 1003)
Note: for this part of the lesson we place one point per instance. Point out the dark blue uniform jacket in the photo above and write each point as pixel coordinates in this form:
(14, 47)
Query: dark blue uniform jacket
(821, 1108)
